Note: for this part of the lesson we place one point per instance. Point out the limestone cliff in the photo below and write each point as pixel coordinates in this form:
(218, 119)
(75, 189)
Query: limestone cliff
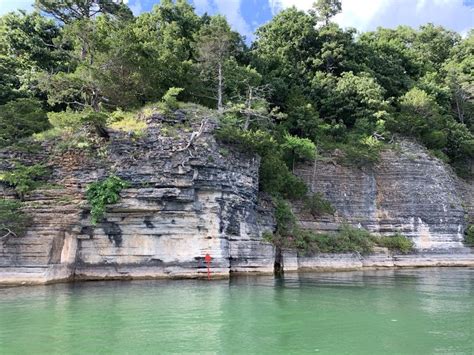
(183, 202)
(186, 200)
(408, 191)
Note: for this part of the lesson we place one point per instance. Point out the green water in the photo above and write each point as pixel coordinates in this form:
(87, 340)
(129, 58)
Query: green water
(420, 311)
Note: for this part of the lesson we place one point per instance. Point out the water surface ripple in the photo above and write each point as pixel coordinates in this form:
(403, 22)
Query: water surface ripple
(421, 311)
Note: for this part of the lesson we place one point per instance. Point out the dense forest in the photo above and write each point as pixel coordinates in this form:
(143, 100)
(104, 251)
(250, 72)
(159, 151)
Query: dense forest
(303, 83)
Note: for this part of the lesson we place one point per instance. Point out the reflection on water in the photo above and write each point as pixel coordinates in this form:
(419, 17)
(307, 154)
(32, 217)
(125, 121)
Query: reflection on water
(396, 311)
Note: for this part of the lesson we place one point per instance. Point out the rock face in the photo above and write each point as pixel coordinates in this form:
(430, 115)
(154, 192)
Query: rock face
(183, 202)
(407, 191)
(187, 200)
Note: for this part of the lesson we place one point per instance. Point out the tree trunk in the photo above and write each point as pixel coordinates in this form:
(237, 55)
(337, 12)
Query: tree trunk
(458, 107)
(220, 106)
(95, 101)
(249, 106)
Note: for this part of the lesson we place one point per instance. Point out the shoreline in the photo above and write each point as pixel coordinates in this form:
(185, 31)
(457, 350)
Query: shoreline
(60, 273)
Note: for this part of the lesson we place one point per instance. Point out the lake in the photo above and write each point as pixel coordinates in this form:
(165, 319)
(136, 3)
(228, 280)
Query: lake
(419, 311)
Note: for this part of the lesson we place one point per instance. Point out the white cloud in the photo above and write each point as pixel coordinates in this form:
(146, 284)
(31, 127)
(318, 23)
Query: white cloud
(203, 6)
(135, 6)
(277, 5)
(369, 14)
(230, 9)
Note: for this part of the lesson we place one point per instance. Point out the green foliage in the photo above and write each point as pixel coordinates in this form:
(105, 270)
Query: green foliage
(317, 205)
(304, 77)
(169, 100)
(277, 179)
(469, 235)
(21, 118)
(102, 193)
(28, 45)
(325, 9)
(418, 113)
(396, 242)
(298, 148)
(127, 122)
(255, 142)
(284, 217)
(96, 119)
(23, 178)
(275, 176)
(13, 220)
(350, 98)
(347, 240)
(65, 119)
(354, 150)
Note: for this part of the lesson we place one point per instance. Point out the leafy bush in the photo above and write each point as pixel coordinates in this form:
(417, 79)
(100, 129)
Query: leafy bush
(13, 221)
(396, 242)
(354, 149)
(469, 235)
(317, 205)
(348, 239)
(65, 119)
(72, 120)
(23, 178)
(358, 155)
(275, 176)
(96, 119)
(21, 118)
(284, 217)
(298, 148)
(103, 193)
(130, 124)
(277, 180)
(256, 142)
(169, 100)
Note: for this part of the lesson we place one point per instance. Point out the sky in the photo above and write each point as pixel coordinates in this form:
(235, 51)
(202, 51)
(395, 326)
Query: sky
(365, 15)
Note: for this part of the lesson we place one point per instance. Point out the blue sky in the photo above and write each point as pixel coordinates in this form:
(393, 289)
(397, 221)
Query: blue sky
(246, 15)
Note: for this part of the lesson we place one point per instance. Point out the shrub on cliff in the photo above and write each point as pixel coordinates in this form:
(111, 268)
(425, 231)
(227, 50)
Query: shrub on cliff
(13, 221)
(169, 100)
(396, 242)
(103, 193)
(21, 118)
(347, 240)
(23, 178)
(469, 237)
(275, 176)
(317, 205)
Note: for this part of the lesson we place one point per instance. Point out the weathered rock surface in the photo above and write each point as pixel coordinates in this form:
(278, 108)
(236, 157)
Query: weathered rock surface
(407, 191)
(184, 203)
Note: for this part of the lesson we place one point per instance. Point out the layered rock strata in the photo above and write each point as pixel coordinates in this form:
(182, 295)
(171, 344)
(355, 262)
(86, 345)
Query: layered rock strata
(184, 201)
(407, 191)
(190, 196)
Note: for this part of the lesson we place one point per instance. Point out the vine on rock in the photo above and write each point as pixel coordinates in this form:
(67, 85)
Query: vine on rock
(102, 193)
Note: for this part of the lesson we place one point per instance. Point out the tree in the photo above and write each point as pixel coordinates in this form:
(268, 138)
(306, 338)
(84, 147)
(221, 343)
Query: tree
(214, 45)
(32, 38)
(324, 10)
(434, 45)
(21, 118)
(29, 44)
(418, 113)
(79, 15)
(350, 98)
(13, 221)
(458, 71)
(296, 148)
